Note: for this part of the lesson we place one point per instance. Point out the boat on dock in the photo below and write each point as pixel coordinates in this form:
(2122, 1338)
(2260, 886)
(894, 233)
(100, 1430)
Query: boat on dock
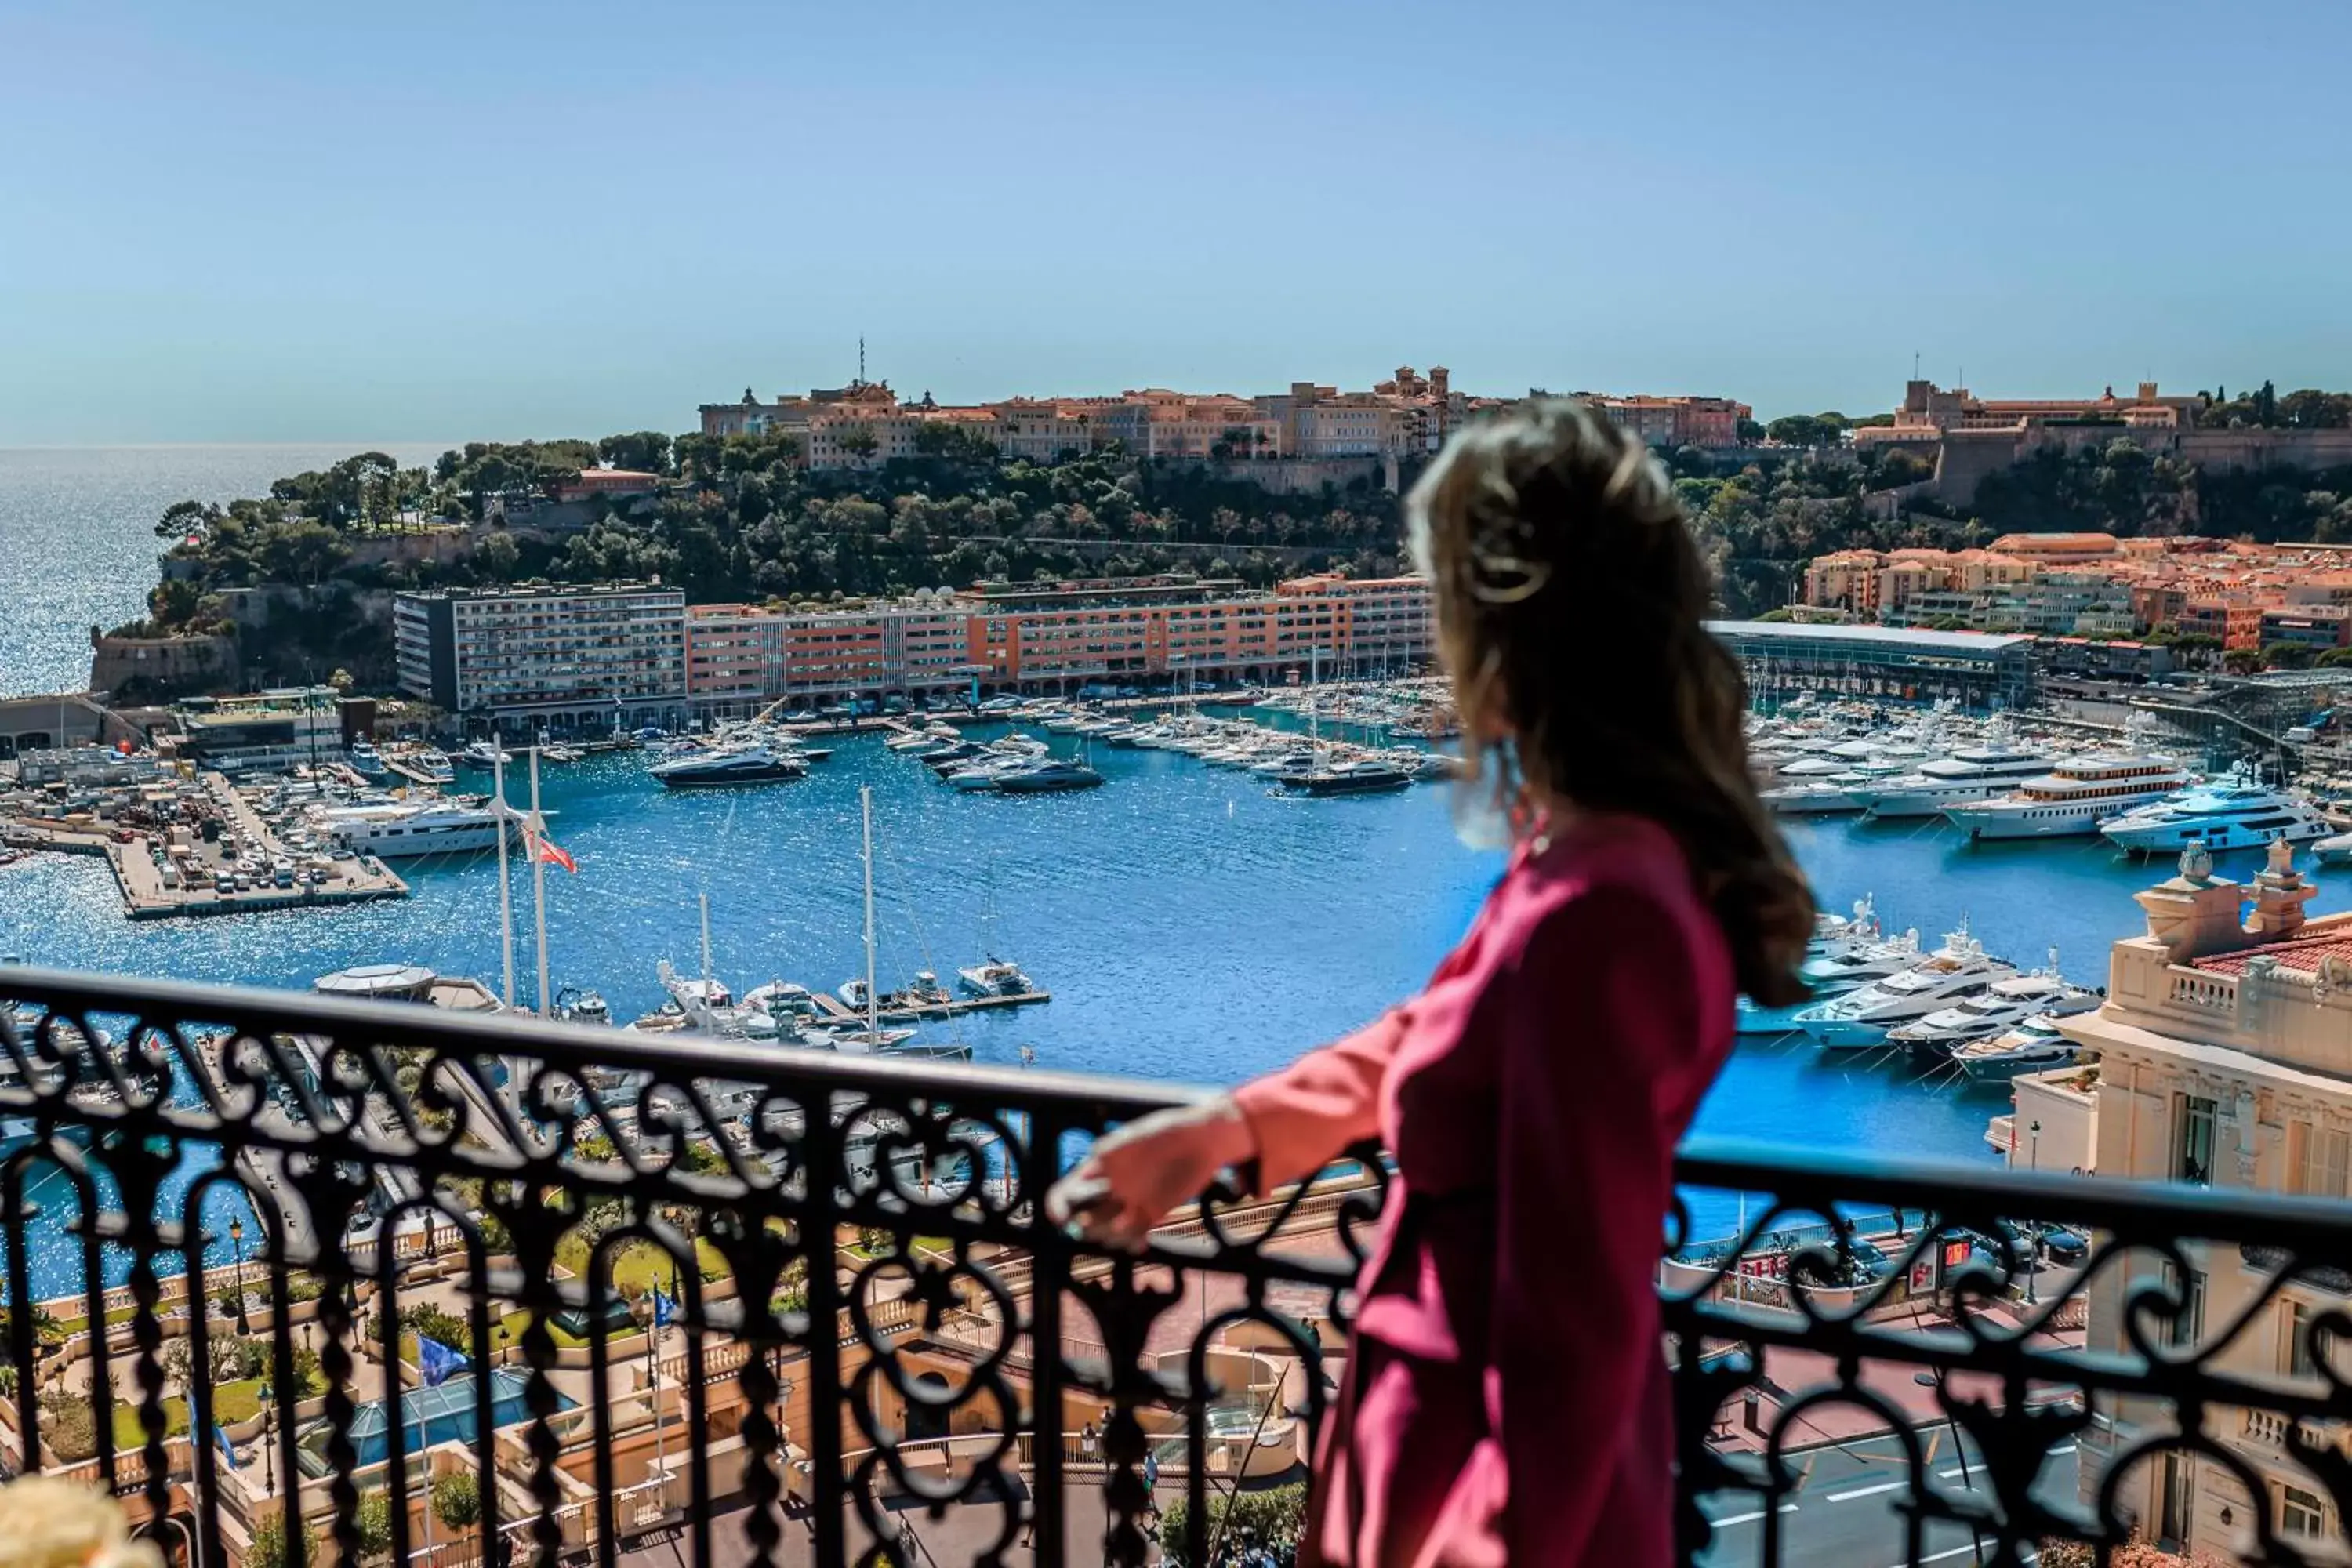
(2034, 1046)
(994, 976)
(405, 828)
(1860, 1019)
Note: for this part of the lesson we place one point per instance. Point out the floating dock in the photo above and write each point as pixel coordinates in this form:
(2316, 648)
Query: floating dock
(836, 1011)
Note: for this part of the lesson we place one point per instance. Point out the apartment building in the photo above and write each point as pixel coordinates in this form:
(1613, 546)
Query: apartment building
(553, 655)
(2225, 1060)
(743, 658)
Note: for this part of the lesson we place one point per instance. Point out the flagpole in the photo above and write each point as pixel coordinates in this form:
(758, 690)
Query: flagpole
(653, 1364)
(538, 881)
(506, 884)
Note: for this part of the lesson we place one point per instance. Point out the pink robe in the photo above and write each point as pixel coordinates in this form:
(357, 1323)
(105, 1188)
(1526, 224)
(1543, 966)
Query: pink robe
(1506, 1398)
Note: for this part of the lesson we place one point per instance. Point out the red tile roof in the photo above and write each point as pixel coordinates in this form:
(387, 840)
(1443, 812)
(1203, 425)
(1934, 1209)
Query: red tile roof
(2303, 952)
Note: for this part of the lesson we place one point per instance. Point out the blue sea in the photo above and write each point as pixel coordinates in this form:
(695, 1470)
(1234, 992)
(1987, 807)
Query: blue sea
(1191, 925)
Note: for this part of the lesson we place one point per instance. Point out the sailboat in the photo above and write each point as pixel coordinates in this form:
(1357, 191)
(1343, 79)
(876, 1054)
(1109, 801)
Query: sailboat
(874, 1037)
(992, 976)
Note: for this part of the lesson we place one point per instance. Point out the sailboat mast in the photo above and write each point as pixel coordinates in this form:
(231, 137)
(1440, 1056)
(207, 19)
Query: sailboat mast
(505, 883)
(704, 899)
(873, 1002)
(538, 879)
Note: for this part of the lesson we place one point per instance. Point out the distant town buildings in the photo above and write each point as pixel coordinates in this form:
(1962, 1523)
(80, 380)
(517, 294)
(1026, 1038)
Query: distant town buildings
(865, 424)
(269, 731)
(588, 657)
(2241, 595)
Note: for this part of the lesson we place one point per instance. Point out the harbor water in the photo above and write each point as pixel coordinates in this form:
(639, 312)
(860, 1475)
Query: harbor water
(1190, 925)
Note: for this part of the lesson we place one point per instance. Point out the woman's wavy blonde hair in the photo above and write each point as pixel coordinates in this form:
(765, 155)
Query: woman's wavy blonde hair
(1570, 604)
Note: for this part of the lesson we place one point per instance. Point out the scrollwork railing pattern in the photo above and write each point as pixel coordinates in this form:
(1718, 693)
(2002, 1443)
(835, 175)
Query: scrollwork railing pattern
(772, 1304)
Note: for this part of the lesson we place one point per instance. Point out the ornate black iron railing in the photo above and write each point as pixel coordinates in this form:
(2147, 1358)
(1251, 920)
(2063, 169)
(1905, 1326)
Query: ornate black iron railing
(302, 1279)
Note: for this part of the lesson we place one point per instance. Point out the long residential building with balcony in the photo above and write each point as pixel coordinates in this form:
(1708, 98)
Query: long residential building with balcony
(1112, 631)
(559, 655)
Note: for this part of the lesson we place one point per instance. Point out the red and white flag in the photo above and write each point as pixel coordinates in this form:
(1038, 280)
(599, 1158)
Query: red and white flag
(553, 854)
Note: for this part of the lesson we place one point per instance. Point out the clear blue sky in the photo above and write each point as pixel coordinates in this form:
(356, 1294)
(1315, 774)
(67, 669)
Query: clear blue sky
(292, 221)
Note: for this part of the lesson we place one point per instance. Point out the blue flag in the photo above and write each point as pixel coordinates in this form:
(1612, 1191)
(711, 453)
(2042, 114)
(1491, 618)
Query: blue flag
(664, 1309)
(229, 1454)
(437, 1361)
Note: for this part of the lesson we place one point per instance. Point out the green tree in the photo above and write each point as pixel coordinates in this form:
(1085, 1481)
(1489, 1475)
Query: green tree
(2288, 655)
(497, 556)
(1750, 432)
(647, 451)
(187, 519)
(457, 1500)
(372, 1521)
(860, 443)
(269, 1546)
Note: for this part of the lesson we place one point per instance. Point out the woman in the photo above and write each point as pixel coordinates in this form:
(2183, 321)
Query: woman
(1506, 1397)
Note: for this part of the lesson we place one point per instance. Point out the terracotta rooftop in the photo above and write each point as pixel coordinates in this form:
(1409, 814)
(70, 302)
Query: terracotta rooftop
(2306, 950)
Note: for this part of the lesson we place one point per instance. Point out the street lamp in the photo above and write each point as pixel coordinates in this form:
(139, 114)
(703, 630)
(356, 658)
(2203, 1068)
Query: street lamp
(2033, 1237)
(237, 1240)
(268, 1448)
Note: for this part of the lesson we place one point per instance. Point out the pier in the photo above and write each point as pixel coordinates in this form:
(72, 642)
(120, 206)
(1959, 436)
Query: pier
(148, 894)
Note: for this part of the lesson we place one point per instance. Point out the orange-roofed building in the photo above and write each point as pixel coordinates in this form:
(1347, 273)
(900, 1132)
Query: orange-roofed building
(2072, 546)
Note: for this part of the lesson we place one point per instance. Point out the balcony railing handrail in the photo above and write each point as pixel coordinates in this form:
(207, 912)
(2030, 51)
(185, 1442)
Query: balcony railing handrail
(830, 1143)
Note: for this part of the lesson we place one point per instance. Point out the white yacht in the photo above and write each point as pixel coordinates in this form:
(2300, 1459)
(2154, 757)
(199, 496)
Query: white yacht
(2333, 850)
(395, 829)
(2072, 798)
(2034, 1046)
(2238, 815)
(749, 765)
(995, 977)
(1860, 1019)
(484, 755)
(1979, 773)
(2000, 1005)
(432, 765)
(367, 762)
(1813, 798)
(1833, 969)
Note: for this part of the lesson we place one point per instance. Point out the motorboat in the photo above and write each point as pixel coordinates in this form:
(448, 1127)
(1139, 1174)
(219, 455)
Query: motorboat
(1359, 776)
(1046, 775)
(577, 1007)
(367, 762)
(995, 977)
(432, 765)
(924, 991)
(559, 751)
(405, 829)
(1999, 1006)
(2231, 815)
(1861, 1018)
(1979, 773)
(2034, 1046)
(2333, 850)
(744, 765)
(2073, 798)
(1850, 955)
(484, 755)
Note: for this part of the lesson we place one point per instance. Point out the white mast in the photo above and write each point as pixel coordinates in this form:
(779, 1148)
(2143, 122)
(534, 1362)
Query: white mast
(705, 900)
(873, 1005)
(506, 885)
(538, 879)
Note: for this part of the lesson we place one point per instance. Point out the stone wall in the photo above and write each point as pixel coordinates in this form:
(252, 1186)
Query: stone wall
(178, 664)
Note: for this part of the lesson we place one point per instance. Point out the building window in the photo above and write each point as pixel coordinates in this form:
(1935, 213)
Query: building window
(2188, 1325)
(2302, 1513)
(2326, 1155)
(2177, 1503)
(2192, 1150)
(2296, 1352)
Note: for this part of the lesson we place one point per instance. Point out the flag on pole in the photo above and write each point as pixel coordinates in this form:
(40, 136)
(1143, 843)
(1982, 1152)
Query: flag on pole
(664, 1309)
(436, 1361)
(228, 1453)
(553, 854)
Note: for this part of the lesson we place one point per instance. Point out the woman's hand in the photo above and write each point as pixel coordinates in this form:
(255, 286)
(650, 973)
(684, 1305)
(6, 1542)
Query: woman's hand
(1132, 1178)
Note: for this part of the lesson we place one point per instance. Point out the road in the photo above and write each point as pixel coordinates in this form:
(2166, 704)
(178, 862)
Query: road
(1844, 1511)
